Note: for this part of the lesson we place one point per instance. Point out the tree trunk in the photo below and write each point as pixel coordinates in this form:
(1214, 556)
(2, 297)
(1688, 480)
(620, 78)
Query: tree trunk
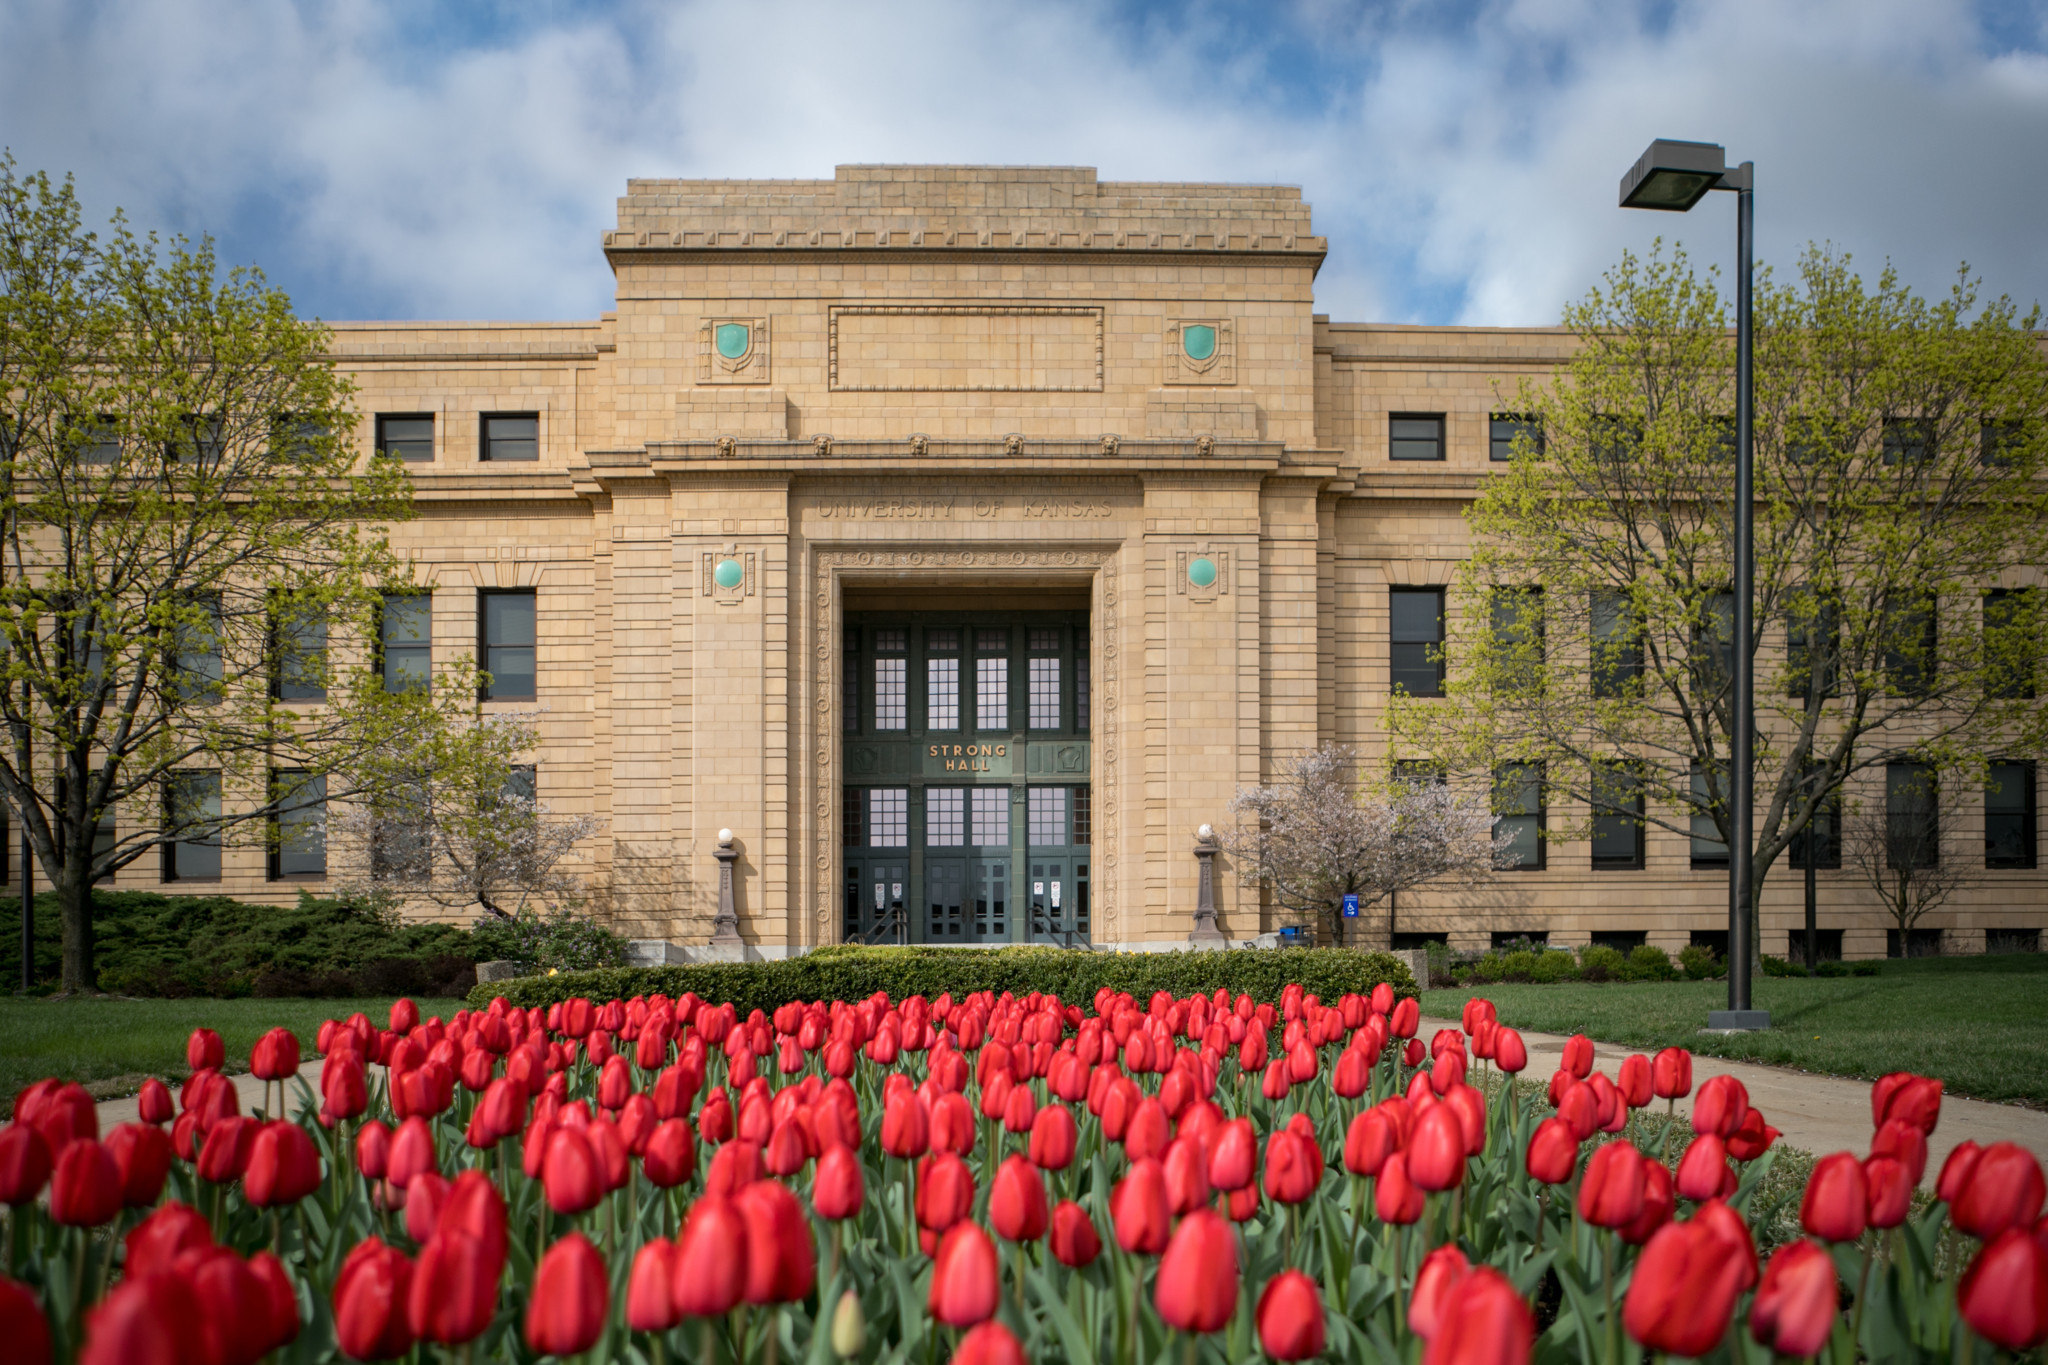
(73, 886)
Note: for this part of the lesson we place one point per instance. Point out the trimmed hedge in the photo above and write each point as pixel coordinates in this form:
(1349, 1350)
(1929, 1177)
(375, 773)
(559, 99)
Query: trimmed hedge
(854, 973)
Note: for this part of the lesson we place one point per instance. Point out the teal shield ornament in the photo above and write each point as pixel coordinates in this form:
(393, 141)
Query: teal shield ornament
(1198, 339)
(1202, 571)
(728, 574)
(733, 339)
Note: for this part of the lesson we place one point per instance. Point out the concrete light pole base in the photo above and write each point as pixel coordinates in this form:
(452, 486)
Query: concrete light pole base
(1737, 1021)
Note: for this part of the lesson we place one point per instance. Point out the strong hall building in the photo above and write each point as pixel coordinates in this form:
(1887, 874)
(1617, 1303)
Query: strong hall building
(961, 539)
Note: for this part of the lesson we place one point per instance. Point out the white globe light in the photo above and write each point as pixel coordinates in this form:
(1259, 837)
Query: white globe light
(1206, 832)
(725, 836)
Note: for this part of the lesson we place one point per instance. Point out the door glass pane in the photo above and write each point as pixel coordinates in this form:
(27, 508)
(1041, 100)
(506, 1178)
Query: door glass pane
(888, 817)
(991, 816)
(1048, 815)
(991, 900)
(945, 817)
(945, 888)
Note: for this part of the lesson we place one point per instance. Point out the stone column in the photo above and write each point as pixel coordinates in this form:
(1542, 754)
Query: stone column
(1205, 930)
(725, 928)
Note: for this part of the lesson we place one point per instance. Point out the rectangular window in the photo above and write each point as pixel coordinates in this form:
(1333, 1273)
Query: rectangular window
(891, 694)
(945, 817)
(1518, 801)
(1504, 427)
(1045, 693)
(301, 847)
(992, 694)
(888, 817)
(2012, 649)
(1617, 817)
(1617, 644)
(196, 667)
(1047, 812)
(295, 438)
(942, 694)
(1081, 682)
(1912, 797)
(1824, 834)
(511, 436)
(200, 441)
(991, 816)
(2000, 442)
(405, 638)
(1710, 794)
(849, 684)
(1415, 635)
(1415, 436)
(1907, 440)
(406, 436)
(191, 805)
(298, 636)
(1084, 815)
(1713, 644)
(507, 624)
(97, 442)
(2009, 816)
(1909, 647)
(399, 848)
(853, 817)
(1615, 439)
(1812, 645)
(1518, 637)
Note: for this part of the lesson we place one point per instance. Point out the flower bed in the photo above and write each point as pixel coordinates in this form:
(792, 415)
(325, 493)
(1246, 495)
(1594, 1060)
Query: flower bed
(992, 1178)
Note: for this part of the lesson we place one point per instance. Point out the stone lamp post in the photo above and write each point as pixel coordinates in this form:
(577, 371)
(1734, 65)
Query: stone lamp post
(725, 929)
(1205, 930)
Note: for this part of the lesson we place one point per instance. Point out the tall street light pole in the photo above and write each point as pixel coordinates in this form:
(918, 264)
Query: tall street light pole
(1672, 177)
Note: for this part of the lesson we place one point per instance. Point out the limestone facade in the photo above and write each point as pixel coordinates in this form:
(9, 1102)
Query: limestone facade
(956, 390)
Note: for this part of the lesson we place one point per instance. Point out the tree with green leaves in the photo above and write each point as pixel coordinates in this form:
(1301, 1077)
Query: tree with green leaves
(1901, 525)
(191, 557)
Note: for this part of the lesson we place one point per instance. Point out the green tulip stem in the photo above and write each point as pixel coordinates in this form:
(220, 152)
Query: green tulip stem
(107, 1261)
(1856, 1312)
(1613, 1322)
(78, 1275)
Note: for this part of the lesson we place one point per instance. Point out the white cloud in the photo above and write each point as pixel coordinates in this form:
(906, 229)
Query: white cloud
(382, 159)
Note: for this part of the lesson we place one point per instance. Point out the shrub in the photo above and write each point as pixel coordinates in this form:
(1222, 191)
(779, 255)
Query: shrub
(1868, 967)
(1598, 962)
(1487, 969)
(1647, 962)
(1830, 967)
(1555, 965)
(854, 973)
(1699, 962)
(1778, 966)
(562, 939)
(1519, 965)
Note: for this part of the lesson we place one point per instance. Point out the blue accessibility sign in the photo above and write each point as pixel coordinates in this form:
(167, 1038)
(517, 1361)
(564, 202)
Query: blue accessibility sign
(1351, 907)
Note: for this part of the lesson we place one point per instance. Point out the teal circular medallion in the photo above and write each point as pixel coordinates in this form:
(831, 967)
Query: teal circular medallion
(728, 574)
(1202, 571)
(733, 339)
(1198, 340)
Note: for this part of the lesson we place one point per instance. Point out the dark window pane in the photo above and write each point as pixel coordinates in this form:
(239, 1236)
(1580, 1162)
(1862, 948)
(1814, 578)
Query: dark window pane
(1909, 647)
(301, 641)
(2012, 649)
(196, 668)
(1617, 644)
(406, 641)
(408, 437)
(1415, 436)
(1518, 636)
(1812, 645)
(508, 645)
(1503, 428)
(2000, 442)
(1824, 834)
(1518, 801)
(511, 436)
(1912, 823)
(1617, 818)
(1710, 795)
(1907, 440)
(191, 802)
(2009, 815)
(1416, 631)
(301, 826)
(1713, 641)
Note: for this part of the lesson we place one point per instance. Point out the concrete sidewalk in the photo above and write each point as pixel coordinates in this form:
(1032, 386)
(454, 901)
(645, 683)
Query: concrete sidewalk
(1819, 1113)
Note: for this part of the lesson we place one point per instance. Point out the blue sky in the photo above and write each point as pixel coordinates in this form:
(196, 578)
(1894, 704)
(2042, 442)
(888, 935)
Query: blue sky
(414, 159)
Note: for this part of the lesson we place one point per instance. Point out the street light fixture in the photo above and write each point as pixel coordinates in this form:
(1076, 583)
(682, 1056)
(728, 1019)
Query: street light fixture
(1673, 176)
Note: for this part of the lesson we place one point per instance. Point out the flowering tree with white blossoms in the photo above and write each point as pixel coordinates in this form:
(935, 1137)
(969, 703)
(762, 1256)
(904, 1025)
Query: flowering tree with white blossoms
(1324, 832)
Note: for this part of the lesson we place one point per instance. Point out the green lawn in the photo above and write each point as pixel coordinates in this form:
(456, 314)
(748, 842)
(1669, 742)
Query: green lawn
(1979, 1023)
(112, 1044)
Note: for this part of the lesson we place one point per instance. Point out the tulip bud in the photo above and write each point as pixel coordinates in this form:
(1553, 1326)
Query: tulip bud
(838, 1187)
(1794, 1311)
(1436, 1150)
(284, 1166)
(1682, 1294)
(157, 1241)
(1196, 1289)
(1553, 1152)
(1703, 1170)
(1140, 1210)
(1483, 1319)
(1658, 1204)
(650, 1301)
(1720, 1106)
(1396, 1198)
(2003, 1190)
(991, 1343)
(782, 1263)
(1074, 1240)
(371, 1298)
(1438, 1276)
(85, 1186)
(1510, 1053)
(1611, 1194)
(1290, 1312)
(710, 1265)
(571, 1298)
(204, 1051)
(1889, 1187)
(22, 1324)
(1907, 1098)
(275, 1056)
(154, 1104)
(1578, 1056)
(454, 1291)
(1837, 1202)
(1053, 1138)
(1016, 1201)
(2004, 1293)
(849, 1327)
(945, 1191)
(1671, 1074)
(965, 1282)
(412, 1151)
(25, 1164)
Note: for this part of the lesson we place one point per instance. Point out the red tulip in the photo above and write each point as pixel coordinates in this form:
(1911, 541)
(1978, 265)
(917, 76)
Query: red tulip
(710, 1265)
(991, 1343)
(371, 1296)
(1903, 1143)
(1703, 1171)
(1197, 1285)
(1658, 1204)
(234, 1307)
(671, 1156)
(785, 1152)
(1753, 1138)
(1369, 1141)
(1439, 1274)
(1016, 1201)
(572, 1177)
(964, 1277)
(1726, 1225)
(714, 1120)
(1020, 1111)
(373, 1150)
(279, 1299)
(22, 1324)
(1053, 1138)
(650, 1297)
(1794, 1311)
(1611, 1194)
(2004, 1190)
(344, 1089)
(1837, 1202)
(2004, 1293)
(204, 1051)
(1074, 1239)
(157, 1241)
(1578, 1055)
(412, 1151)
(1352, 1075)
(782, 1260)
(1671, 1074)
(838, 1187)
(1485, 1320)
(1396, 1198)
(454, 1290)
(1140, 1210)
(1633, 1080)
(275, 1056)
(1510, 1053)
(1436, 1150)
(85, 1187)
(571, 1298)
(1889, 1187)
(734, 1166)
(1683, 1292)
(25, 1163)
(1720, 1106)
(1234, 1156)
(1579, 1107)
(227, 1148)
(1274, 1084)
(1908, 1098)
(1290, 1317)
(284, 1166)
(1405, 1018)
(154, 1104)
(142, 1154)
(1955, 1171)
(144, 1320)
(1293, 1168)
(945, 1191)
(1553, 1152)
(405, 1016)
(1613, 1113)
